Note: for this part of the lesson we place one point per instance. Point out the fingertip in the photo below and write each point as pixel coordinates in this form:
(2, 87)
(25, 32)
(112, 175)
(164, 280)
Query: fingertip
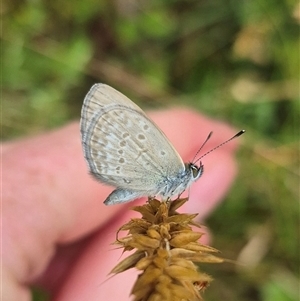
(209, 191)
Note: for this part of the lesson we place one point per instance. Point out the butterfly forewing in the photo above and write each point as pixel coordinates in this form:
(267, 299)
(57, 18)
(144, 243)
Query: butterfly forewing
(100, 96)
(122, 146)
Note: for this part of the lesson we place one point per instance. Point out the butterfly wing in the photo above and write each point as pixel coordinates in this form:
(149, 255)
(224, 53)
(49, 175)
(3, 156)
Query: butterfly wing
(100, 96)
(122, 146)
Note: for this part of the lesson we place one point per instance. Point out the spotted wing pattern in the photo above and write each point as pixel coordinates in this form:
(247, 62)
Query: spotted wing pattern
(122, 146)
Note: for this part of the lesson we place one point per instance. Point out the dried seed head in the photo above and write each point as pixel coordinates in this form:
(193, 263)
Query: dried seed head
(167, 249)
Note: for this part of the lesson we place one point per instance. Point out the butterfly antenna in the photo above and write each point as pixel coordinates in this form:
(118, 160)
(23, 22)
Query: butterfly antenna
(208, 137)
(233, 137)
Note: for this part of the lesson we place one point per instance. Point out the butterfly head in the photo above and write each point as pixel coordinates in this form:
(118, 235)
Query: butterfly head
(195, 171)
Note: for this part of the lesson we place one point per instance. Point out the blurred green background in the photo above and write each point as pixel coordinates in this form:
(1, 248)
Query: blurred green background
(235, 60)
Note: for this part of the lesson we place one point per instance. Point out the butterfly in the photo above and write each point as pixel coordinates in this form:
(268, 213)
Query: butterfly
(124, 148)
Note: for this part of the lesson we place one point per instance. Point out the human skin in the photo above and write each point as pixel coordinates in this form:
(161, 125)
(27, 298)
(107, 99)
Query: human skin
(56, 231)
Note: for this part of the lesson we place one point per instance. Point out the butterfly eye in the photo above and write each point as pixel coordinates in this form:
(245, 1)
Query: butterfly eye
(196, 171)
